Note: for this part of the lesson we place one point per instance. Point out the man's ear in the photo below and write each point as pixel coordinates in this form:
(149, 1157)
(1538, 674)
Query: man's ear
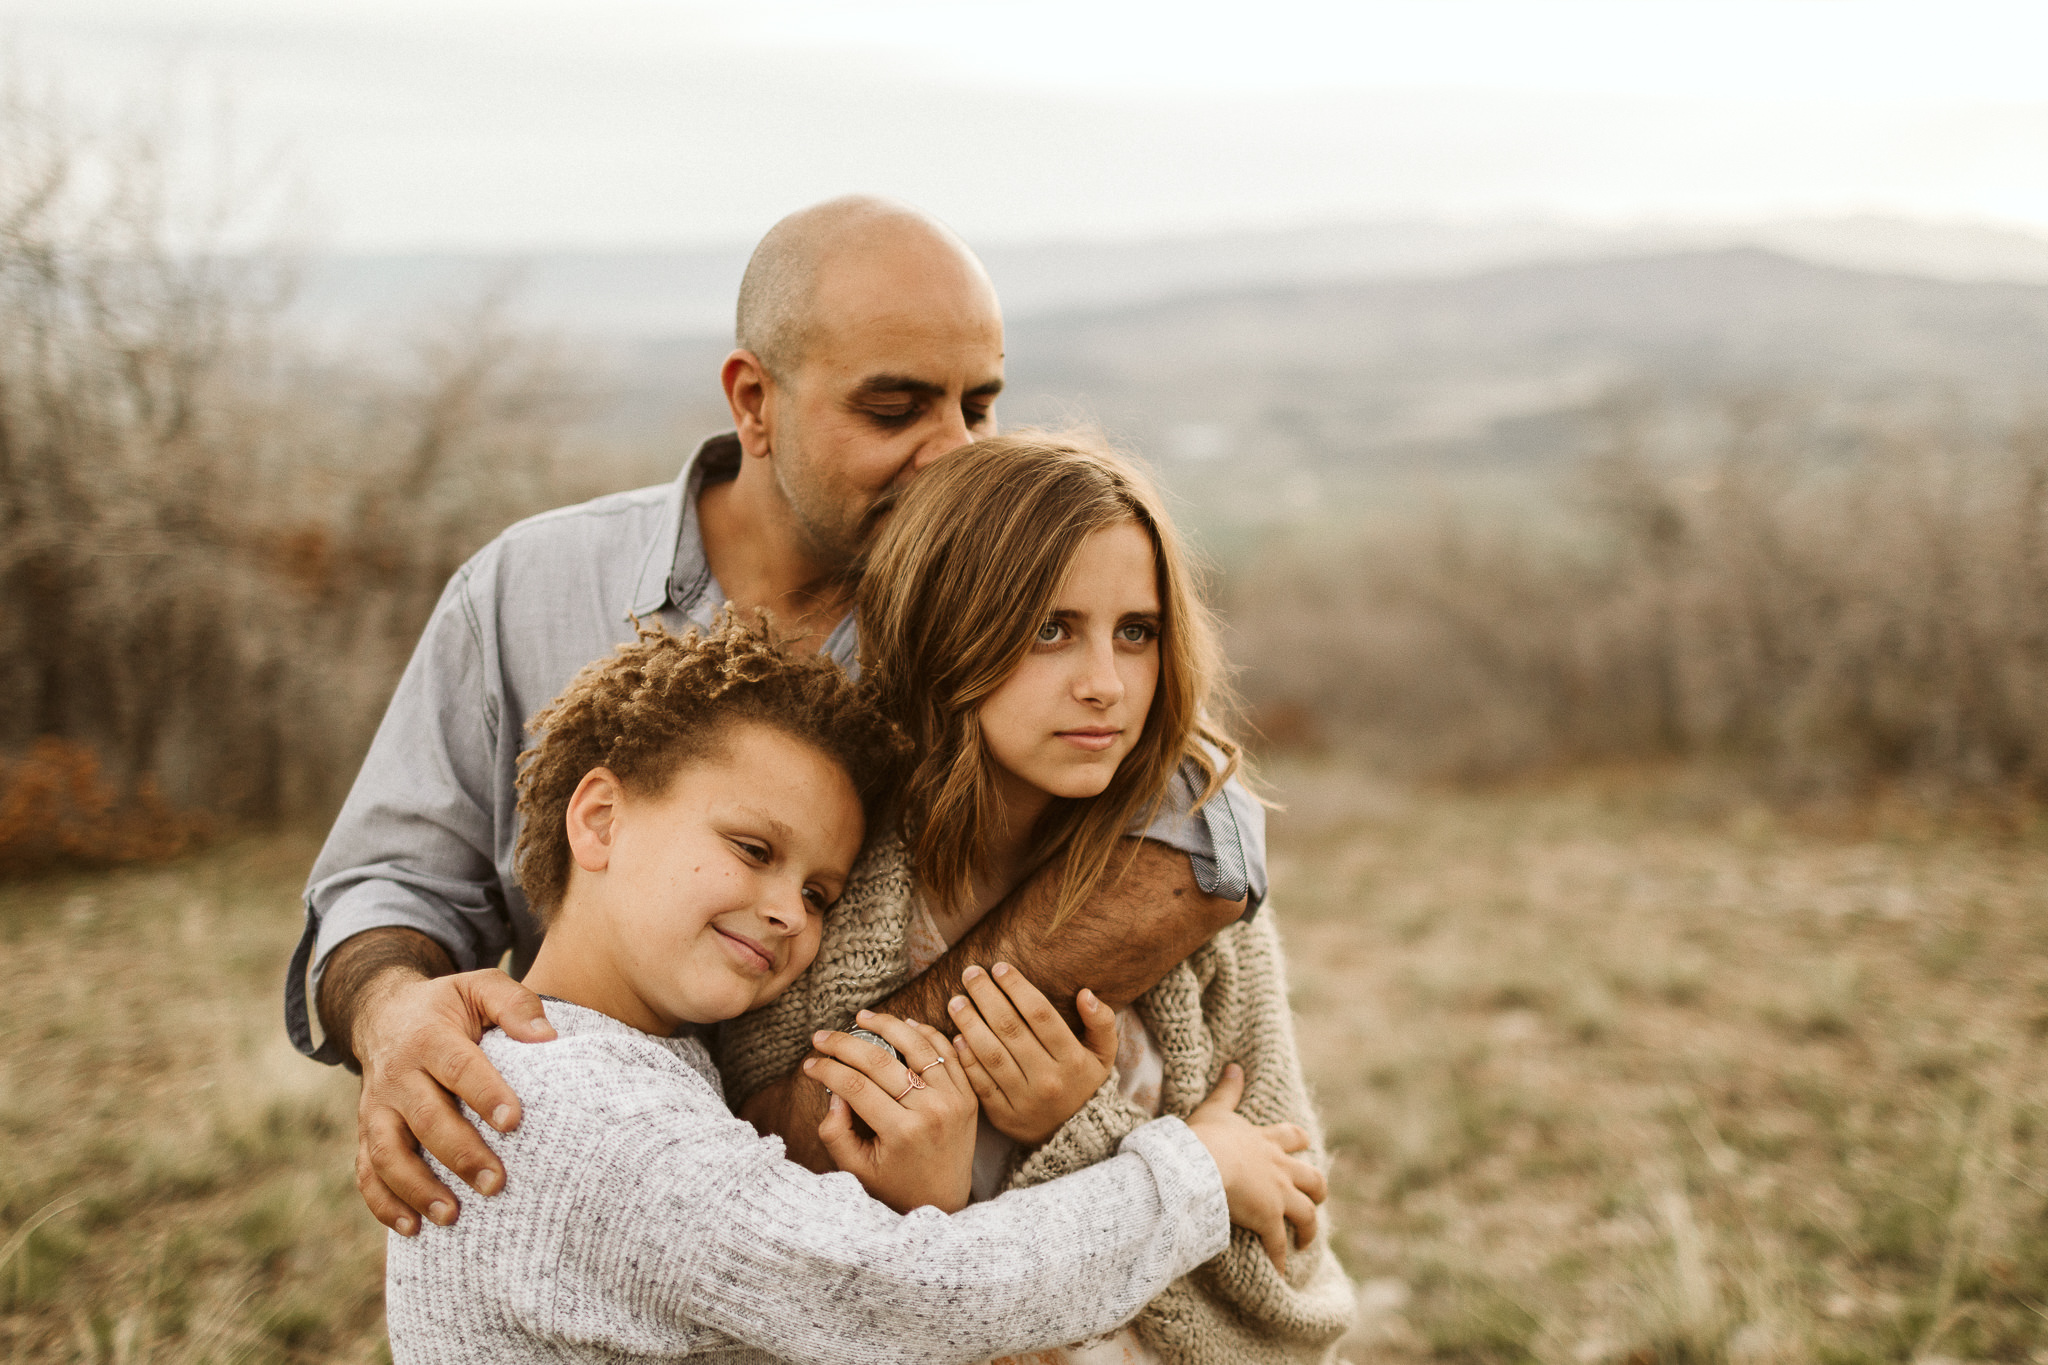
(592, 819)
(749, 389)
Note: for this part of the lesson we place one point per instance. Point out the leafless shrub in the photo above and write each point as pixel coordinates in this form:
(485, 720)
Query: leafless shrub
(1873, 612)
(216, 547)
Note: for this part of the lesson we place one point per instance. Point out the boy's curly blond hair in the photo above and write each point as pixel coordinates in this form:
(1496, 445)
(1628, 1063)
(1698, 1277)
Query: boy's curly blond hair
(666, 700)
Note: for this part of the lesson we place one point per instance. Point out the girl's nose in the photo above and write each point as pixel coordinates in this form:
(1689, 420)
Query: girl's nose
(1100, 683)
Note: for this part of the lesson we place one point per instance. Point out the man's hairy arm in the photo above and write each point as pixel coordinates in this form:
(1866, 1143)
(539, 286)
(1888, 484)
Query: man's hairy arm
(1127, 936)
(392, 998)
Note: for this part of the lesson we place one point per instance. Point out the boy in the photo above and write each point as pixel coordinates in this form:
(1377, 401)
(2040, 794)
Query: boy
(692, 809)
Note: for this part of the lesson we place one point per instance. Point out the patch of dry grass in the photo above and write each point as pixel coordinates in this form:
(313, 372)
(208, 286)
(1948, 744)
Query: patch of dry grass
(1610, 1085)
(177, 1182)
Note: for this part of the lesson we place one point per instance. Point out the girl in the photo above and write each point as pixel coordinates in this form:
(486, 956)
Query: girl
(1027, 617)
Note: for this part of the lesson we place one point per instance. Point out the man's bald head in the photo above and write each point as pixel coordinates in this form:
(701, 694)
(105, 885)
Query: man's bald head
(779, 314)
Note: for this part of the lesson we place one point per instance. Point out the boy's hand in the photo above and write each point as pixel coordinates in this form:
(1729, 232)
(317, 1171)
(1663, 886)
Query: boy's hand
(1267, 1188)
(922, 1114)
(1029, 1071)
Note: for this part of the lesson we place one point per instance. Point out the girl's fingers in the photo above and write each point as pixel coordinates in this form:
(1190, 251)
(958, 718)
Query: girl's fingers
(977, 1039)
(1288, 1137)
(846, 1149)
(1050, 1031)
(902, 1035)
(1308, 1180)
(1100, 1022)
(1228, 1091)
(1301, 1212)
(949, 1073)
(863, 1075)
(984, 1086)
(1020, 1040)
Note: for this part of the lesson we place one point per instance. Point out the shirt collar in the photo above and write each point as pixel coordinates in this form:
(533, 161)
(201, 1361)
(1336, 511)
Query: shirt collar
(673, 569)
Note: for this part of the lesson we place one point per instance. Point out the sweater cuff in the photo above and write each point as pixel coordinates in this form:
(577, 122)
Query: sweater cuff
(1190, 1184)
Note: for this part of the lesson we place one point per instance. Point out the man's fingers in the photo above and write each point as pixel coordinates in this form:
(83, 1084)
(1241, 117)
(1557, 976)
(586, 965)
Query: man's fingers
(1227, 1093)
(495, 998)
(385, 1145)
(386, 1207)
(439, 1126)
(1099, 1020)
(461, 1066)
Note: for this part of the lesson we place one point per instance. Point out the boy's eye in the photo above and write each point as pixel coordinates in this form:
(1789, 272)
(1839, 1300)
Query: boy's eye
(817, 899)
(758, 852)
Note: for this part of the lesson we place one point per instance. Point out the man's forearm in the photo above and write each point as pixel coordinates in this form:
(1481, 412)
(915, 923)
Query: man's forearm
(366, 964)
(1146, 916)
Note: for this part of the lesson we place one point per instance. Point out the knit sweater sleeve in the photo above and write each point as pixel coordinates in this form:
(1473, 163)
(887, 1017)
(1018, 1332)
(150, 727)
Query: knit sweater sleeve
(658, 1223)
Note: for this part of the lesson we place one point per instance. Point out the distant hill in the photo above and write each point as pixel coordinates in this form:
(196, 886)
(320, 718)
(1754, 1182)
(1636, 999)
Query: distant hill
(1270, 401)
(1355, 369)
(642, 295)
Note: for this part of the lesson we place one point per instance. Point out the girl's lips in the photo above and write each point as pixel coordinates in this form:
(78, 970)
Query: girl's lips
(748, 951)
(1094, 741)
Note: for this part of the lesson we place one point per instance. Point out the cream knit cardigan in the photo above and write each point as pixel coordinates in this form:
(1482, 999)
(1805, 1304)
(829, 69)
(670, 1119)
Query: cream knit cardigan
(1227, 1002)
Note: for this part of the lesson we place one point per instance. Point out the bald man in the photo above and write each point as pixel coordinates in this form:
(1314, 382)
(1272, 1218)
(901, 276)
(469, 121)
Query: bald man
(869, 343)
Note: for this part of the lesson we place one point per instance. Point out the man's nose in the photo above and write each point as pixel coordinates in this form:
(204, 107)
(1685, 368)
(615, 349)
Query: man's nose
(949, 435)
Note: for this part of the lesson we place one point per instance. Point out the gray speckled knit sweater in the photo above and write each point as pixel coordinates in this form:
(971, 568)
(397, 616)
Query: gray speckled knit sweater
(1227, 1002)
(642, 1221)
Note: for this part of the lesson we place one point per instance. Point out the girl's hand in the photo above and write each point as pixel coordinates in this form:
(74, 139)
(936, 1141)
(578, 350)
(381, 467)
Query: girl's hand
(922, 1114)
(1267, 1188)
(1024, 1063)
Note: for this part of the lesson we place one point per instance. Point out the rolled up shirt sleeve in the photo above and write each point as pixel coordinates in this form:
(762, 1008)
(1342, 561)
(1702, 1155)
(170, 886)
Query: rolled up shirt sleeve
(1225, 839)
(414, 845)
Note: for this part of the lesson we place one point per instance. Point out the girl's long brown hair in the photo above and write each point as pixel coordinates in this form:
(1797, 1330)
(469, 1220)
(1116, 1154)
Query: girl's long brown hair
(954, 589)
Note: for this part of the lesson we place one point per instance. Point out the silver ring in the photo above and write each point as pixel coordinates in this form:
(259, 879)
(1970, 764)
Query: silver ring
(867, 1036)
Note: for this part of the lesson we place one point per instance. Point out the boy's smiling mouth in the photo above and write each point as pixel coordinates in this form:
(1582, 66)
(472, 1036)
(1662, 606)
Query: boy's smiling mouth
(749, 952)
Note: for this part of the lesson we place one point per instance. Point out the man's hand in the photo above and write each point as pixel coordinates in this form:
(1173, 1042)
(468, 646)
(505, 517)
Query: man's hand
(414, 1032)
(1268, 1189)
(1028, 1069)
(1142, 920)
(919, 1110)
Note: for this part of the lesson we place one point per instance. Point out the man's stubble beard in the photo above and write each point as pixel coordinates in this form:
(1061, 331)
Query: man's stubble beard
(833, 533)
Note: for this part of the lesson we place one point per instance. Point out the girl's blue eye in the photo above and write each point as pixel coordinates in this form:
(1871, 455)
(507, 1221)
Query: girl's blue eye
(1050, 632)
(1135, 632)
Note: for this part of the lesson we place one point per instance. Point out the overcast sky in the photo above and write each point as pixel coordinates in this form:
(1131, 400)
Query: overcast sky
(529, 124)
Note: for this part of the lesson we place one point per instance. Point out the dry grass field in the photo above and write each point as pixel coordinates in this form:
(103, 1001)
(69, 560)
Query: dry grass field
(1621, 1071)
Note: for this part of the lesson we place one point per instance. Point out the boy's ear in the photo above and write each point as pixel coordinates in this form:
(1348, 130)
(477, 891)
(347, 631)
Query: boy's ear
(593, 812)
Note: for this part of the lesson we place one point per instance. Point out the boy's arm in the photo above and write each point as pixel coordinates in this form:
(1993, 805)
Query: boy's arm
(1130, 933)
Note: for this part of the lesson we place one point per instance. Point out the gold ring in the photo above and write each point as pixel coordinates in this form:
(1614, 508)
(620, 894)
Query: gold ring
(915, 1084)
(929, 1065)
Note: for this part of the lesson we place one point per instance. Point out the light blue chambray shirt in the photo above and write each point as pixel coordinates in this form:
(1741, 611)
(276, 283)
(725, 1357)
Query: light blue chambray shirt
(426, 838)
